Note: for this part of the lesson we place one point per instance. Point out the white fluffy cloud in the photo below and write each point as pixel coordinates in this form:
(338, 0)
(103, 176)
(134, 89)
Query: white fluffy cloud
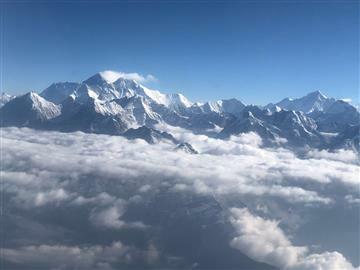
(109, 216)
(265, 241)
(324, 261)
(111, 76)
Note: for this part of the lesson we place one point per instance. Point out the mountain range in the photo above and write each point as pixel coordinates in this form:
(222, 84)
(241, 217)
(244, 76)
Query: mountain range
(127, 108)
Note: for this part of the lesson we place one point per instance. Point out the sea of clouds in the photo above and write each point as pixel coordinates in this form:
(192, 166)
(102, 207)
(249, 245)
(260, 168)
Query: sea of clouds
(87, 201)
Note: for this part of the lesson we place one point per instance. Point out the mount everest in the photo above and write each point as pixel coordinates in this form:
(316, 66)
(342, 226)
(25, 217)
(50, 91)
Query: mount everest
(121, 106)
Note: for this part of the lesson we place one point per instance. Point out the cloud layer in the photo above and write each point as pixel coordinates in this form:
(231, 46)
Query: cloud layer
(106, 184)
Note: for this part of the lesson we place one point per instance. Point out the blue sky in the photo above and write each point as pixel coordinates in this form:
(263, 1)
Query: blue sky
(257, 51)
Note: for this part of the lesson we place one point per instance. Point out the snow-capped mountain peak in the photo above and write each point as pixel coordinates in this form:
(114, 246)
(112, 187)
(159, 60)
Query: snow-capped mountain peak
(84, 93)
(58, 92)
(97, 79)
(28, 110)
(47, 109)
(129, 88)
(316, 94)
(314, 101)
(5, 98)
(178, 99)
(233, 106)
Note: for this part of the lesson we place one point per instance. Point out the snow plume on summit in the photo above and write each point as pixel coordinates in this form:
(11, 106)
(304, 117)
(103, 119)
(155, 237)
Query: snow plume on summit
(111, 76)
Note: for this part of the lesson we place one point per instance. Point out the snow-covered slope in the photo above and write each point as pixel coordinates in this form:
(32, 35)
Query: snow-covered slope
(232, 106)
(99, 87)
(28, 109)
(58, 92)
(247, 122)
(140, 108)
(92, 115)
(5, 98)
(105, 88)
(295, 127)
(336, 117)
(187, 148)
(150, 135)
(314, 101)
(130, 88)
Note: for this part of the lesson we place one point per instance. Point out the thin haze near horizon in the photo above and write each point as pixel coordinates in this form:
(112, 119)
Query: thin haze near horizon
(258, 52)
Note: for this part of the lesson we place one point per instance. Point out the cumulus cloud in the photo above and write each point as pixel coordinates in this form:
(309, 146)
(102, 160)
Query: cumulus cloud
(109, 216)
(326, 260)
(265, 241)
(111, 76)
(104, 183)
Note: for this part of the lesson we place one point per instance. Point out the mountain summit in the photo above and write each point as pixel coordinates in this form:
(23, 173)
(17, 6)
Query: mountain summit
(314, 101)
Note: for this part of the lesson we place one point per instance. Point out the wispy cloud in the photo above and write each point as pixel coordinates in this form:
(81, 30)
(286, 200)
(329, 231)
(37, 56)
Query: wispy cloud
(112, 76)
(348, 100)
